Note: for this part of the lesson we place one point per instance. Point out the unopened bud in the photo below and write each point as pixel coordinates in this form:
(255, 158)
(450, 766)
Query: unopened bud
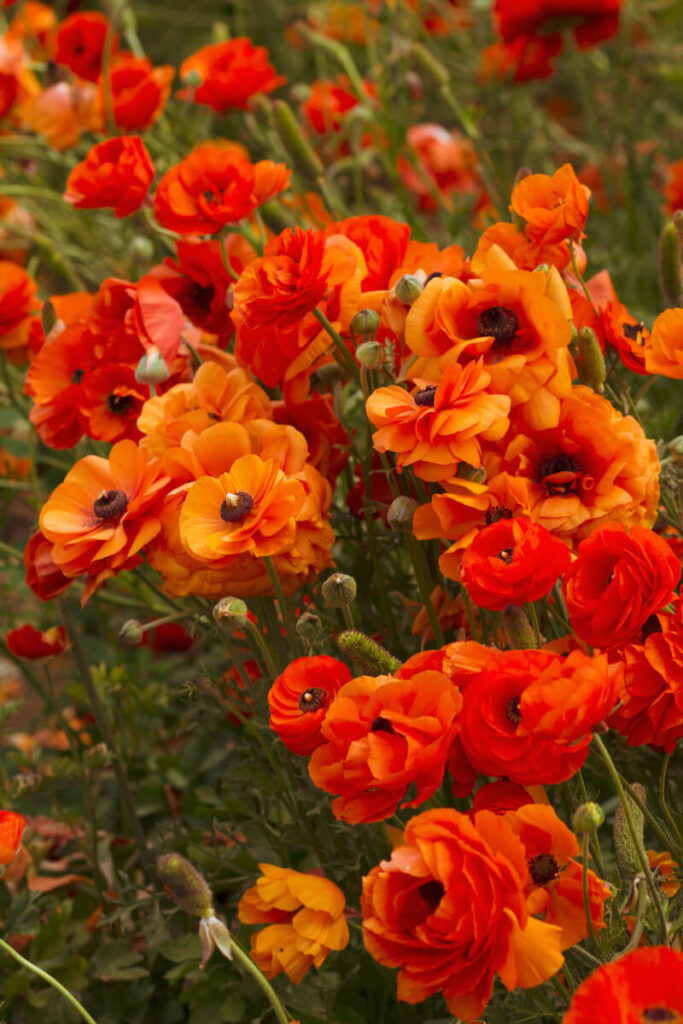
(192, 79)
(429, 66)
(669, 260)
(220, 32)
(370, 355)
(152, 368)
(365, 322)
(306, 161)
(588, 818)
(400, 514)
(329, 374)
(141, 248)
(593, 370)
(518, 632)
(308, 626)
(676, 448)
(262, 109)
(407, 289)
(213, 934)
(300, 92)
(131, 632)
(232, 611)
(339, 590)
(678, 223)
(368, 655)
(467, 472)
(185, 885)
(48, 317)
(628, 860)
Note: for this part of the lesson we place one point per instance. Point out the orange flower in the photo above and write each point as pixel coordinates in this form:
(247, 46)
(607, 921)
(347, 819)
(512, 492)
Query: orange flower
(215, 185)
(31, 643)
(17, 305)
(553, 208)
(329, 444)
(80, 41)
(382, 735)
(11, 829)
(299, 699)
(524, 253)
(664, 871)
(112, 401)
(34, 25)
(613, 324)
(641, 987)
(445, 158)
(230, 73)
(570, 697)
(102, 515)
(449, 910)
(673, 189)
(17, 82)
(617, 581)
(115, 173)
(511, 562)
(329, 101)
(61, 112)
(305, 914)
(439, 426)
(138, 91)
(54, 382)
(664, 349)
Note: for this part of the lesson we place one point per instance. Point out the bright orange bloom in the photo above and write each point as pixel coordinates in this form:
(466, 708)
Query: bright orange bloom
(31, 643)
(439, 426)
(613, 324)
(102, 515)
(215, 185)
(553, 208)
(34, 25)
(329, 444)
(115, 173)
(18, 303)
(511, 562)
(305, 914)
(17, 82)
(524, 253)
(112, 402)
(664, 350)
(79, 43)
(642, 987)
(449, 910)
(617, 581)
(570, 697)
(299, 699)
(383, 734)
(45, 579)
(61, 112)
(138, 90)
(664, 871)
(11, 829)
(230, 73)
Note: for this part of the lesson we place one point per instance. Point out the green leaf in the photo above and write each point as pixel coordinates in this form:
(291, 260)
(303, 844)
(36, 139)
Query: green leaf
(115, 962)
(187, 947)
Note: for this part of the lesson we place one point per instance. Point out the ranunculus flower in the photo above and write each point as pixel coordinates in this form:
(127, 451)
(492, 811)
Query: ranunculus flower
(29, 642)
(299, 699)
(11, 829)
(230, 73)
(138, 90)
(79, 43)
(664, 350)
(642, 987)
(115, 173)
(554, 208)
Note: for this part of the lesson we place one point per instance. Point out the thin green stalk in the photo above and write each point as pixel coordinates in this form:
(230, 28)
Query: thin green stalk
(667, 840)
(263, 647)
(423, 582)
(107, 53)
(641, 907)
(285, 606)
(222, 245)
(53, 981)
(339, 349)
(7, 549)
(533, 615)
(261, 981)
(584, 886)
(662, 799)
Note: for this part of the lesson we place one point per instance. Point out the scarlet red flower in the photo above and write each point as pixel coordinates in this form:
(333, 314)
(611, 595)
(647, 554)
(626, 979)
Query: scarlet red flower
(553, 208)
(511, 562)
(138, 90)
(43, 576)
(500, 797)
(29, 642)
(230, 73)
(383, 242)
(616, 582)
(641, 987)
(79, 43)
(115, 173)
(299, 699)
(54, 382)
(112, 401)
(11, 829)
(17, 304)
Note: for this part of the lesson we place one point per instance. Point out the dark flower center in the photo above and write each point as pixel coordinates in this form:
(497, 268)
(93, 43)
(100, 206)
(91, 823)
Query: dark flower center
(565, 469)
(506, 555)
(110, 504)
(660, 1013)
(382, 725)
(425, 396)
(543, 868)
(430, 277)
(512, 711)
(634, 332)
(311, 700)
(119, 404)
(495, 514)
(77, 376)
(498, 322)
(236, 507)
(432, 893)
(202, 295)
(650, 626)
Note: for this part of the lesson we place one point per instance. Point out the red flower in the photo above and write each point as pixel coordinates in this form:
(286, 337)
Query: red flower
(54, 382)
(139, 92)
(231, 73)
(28, 642)
(299, 699)
(617, 581)
(80, 41)
(11, 829)
(113, 400)
(500, 797)
(43, 576)
(640, 988)
(115, 173)
(511, 562)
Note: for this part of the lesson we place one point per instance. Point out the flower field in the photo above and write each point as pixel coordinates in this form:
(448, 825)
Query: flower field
(341, 490)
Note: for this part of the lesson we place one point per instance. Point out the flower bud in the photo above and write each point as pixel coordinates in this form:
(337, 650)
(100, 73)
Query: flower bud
(518, 632)
(48, 317)
(365, 322)
(368, 655)
(131, 632)
(431, 68)
(339, 590)
(306, 161)
(141, 248)
(232, 611)
(192, 79)
(309, 627)
(370, 355)
(678, 223)
(628, 860)
(152, 368)
(593, 369)
(300, 92)
(213, 934)
(676, 448)
(669, 262)
(407, 289)
(467, 472)
(588, 818)
(185, 885)
(400, 514)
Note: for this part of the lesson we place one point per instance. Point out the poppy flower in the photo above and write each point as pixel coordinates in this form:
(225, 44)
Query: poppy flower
(524, 58)
(570, 696)
(439, 426)
(641, 987)
(214, 186)
(112, 400)
(500, 797)
(17, 305)
(448, 909)
(79, 43)
(524, 253)
(327, 103)
(305, 918)
(31, 643)
(115, 173)
(651, 700)
(511, 562)
(446, 158)
(611, 321)
(617, 581)
(102, 515)
(383, 242)
(54, 382)
(553, 207)
(34, 25)
(664, 351)
(138, 92)
(45, 579)
(383, 734)
(230, 73)
(61, 112)
(11, 829)
(299, 699)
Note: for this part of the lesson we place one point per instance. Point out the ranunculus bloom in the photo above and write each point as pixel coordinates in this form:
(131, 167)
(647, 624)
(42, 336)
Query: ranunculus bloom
(611, 321)
(449, 910)
(651, 701)
(616, 582)
(673, 188)
(642, 987)
(29, 642)
(215, 185)
(54, 382)
(17, 304)
(664, 351)
(230, 73)
(305, 914)
(327, 103)
(112, 401)
(79, 43)
(554, 208)
(438, 426)
(384, 733)
(138, 90)
(45, 579)
(115, 173)
(11, 829)
(500, 797)
(299, 699)
(447, 158)
(511, 562)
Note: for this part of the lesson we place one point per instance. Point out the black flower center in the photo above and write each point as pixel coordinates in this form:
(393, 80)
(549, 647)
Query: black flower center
(430, 277)
(202, 295)
(506, 555)
(661, 1014)
(543, 868)
(500, 323)
(120, 405)
(313, 699)
(495, 514)
(564, 469)
(634, 332)
(110, 504)
(432, 893)
(650, 626)
(236, 507)
(77, 376)
(382, 725)
(512, 711)
(425, 396)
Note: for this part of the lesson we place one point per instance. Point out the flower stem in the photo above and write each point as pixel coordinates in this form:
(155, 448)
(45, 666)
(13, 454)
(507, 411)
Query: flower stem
(662, 799)
(284, 605)
(51, 981)
(263, 647)
(340, 351)
(260, 979)
(533, 615)
(584, 885)
(422, 576)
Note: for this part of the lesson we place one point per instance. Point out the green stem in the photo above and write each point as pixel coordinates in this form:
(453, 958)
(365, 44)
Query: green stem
(641, 907)
(662, 799)
(7, 549)
(584, 885)
(339, 350)
(263, 647)
(422, 576)
(53, 981)
(284, 605)
(245, 960)
(222, 245)
(533, 615)
(667, 840)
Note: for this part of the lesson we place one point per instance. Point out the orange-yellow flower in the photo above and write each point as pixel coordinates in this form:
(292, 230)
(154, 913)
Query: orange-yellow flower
(553, 208)
(664, 350)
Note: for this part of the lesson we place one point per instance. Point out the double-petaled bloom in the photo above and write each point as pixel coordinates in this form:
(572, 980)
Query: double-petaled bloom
(229, 74)
(116, 173)
(299, 698)
(642, 987)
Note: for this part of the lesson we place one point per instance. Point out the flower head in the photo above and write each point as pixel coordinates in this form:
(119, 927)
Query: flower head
(29, 642)
(115, 173)
(554, 208)
(230, 73)
(643, 987)
(299, 699)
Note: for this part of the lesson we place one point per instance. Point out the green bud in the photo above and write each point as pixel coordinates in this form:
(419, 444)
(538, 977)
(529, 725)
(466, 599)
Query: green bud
(220, 32)
(407, 289)
(192, 79)
(329, 374)
(669, 261)
(48, 317)
(232, 611)
(467, 472)
(676, 447)
(131, 632)
(300, 92)
(185, 885)
(365, 322)
(400, 514)
(627, 855)
(305, 159)
(593, 369)
(152, 368)
(588, 818)
(141, 248)
(678, 223)
(370, 355)
(431, 68)
(518, 632)
(309, 627)
(262, 109)
(339, 590)
(368, 655)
